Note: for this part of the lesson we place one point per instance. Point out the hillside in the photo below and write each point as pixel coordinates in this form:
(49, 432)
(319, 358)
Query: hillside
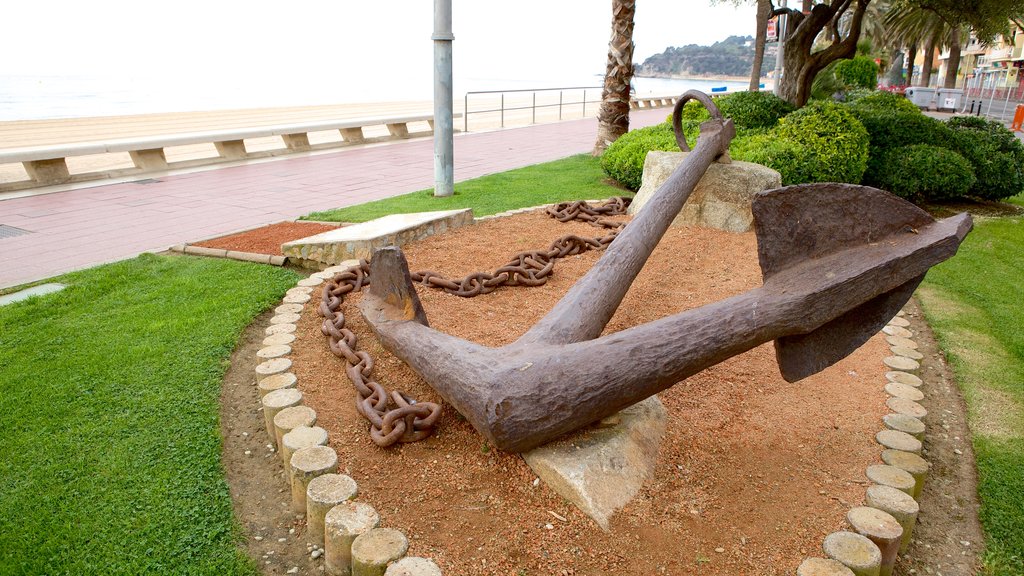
(730, 57)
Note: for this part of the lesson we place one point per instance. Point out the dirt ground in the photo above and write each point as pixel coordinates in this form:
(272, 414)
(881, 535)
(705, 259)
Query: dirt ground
(753, 471)
(268, 239)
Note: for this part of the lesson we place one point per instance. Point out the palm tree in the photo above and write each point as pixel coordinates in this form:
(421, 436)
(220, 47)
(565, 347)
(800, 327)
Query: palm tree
(765, 8)
(915, 24)
(613, 117)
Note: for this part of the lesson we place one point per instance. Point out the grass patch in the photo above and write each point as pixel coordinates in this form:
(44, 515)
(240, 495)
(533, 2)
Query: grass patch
(110, 462)
(573, 178)
(973, 303)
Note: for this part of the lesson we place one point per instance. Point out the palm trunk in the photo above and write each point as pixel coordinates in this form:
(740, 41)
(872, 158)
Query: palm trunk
(953, 64)
(929, 62)
(911, 56)
(764, 12)
(613, 117)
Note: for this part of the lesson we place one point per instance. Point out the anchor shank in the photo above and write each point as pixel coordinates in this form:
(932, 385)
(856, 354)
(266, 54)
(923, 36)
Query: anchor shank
(589, 305)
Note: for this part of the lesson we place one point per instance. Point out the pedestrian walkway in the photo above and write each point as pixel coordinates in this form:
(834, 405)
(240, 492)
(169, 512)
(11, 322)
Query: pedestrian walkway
(84, 227)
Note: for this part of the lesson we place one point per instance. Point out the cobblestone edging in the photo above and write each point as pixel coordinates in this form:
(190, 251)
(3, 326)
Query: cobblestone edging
(881, 529)
(345, 533)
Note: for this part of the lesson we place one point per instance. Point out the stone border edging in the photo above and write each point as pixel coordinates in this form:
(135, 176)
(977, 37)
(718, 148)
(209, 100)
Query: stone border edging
(882, 528)
(345, 533)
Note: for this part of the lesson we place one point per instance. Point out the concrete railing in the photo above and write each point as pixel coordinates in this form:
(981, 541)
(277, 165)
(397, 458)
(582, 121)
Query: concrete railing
(652, 102)
(47, 165)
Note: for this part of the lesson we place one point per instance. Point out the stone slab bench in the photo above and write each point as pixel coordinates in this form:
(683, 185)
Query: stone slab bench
(47, 164)
(652, 102)
(360, 240)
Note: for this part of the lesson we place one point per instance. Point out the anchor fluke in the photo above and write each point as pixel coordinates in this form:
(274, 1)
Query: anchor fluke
(798, 225)
(392, 285)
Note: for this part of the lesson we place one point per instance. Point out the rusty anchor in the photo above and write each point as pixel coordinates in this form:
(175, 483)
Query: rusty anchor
(838, 261)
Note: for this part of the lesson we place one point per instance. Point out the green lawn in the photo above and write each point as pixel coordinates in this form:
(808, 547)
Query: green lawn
(574, 178)
(974, 303)
(110, 459)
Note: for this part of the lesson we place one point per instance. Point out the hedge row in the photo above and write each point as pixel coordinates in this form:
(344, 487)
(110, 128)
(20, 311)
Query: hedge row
(875, 138)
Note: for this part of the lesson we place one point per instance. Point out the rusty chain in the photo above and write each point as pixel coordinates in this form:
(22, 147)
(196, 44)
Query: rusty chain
(409, 420)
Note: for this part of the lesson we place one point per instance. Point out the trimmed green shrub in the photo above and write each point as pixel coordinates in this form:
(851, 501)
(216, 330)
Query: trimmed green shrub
(925, 172)
(889, 129)
(746, 109)
(833, 137)
(624, 159)
(879, 100)
(791, 160)
(994, 152)
(858, 72)
(754, 109)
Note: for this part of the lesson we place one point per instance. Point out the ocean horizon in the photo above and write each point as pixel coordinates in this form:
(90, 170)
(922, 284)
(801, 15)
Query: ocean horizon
(38, 97)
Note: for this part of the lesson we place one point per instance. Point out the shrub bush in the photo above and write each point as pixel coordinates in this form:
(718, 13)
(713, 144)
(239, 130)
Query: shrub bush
(746, 109)
(858, 72)
(832, 137)
(791, 160)
(879, 100)
(754, 109)
(925, 172)
(624, 159)
(994, 152)
(889, 129)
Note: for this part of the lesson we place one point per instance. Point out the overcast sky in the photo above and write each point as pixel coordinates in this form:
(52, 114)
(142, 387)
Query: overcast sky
(344, 37)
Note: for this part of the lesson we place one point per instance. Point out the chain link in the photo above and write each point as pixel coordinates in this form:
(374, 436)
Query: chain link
(409, 420)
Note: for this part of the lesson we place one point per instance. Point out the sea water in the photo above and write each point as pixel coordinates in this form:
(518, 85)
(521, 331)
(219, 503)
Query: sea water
(74, 96)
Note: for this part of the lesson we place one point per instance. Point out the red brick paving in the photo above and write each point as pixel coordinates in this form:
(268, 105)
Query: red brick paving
(89, 226)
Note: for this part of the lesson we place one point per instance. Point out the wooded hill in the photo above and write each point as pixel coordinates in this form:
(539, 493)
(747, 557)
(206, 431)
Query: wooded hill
(730, 57)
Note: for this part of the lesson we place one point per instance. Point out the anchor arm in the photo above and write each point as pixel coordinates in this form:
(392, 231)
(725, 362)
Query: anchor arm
(523, 395)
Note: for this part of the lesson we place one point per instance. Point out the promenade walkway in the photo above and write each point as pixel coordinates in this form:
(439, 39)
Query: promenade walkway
(101, 223)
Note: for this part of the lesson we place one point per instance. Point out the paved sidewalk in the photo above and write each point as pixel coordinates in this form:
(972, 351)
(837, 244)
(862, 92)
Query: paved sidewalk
(104, 223)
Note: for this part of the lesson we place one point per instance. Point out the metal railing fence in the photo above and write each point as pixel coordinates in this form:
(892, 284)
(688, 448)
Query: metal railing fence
(562, 103)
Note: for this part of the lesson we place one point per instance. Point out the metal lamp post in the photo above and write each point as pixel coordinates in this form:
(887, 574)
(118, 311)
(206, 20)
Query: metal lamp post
(444, 172)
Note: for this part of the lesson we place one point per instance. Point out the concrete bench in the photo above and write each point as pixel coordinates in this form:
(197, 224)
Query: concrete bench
(652, 102)
(47, 164)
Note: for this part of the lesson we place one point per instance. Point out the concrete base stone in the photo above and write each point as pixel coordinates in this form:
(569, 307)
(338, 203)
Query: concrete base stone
(275, 351)
(276, 382)
(891, 476)
(822, 567)
(905, 423)
(908, 407)
(291, 418)
(901, 363)
(906, 352)
(278, 339)
(276, 401)
(901, 506)
(897, 440)
(899, 321)
(600, 469)
(897, 331)
(721, 198)
(342, 525)
(274, 366)
(279, 329)
(882, 529)
(288, 318)
(904, 391)
(322, 494)
(912, 463)
(901, 342)
(288, 309)
(854, 551)
(374, 550)
(299, 438)
(413, 566)
(361, 240)
(306, 464)
(903, 378)
(297, 298)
